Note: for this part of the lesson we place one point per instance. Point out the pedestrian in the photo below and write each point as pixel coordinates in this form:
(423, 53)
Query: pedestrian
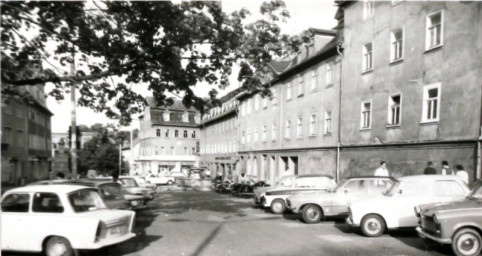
(429, 169)
(446, 169)
(462, 173)
(382, 170)
(60, 176)
(243, 179)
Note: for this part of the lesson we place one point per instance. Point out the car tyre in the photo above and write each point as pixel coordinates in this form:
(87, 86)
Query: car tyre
(467, 242)
(59, 246)
(278, 206)
(312, 214)
(373, 225)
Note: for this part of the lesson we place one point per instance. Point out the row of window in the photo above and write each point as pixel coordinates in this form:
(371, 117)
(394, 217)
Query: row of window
(430, 108)
(14, 138)
(166, 133)
(229, 147)
(150, 151)
(434, 38)
(222, 127)
(313, 128)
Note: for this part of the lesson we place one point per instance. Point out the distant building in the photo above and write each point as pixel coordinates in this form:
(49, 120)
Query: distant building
(26, 138)
(168, 139)
(61, 150)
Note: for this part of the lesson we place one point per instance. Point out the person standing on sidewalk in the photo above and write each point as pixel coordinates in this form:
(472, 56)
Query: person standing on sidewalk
(382, 170)
(446, 168)
(429, 169)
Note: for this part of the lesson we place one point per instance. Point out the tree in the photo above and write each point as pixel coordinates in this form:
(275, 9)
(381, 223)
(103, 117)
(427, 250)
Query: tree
(122, 45)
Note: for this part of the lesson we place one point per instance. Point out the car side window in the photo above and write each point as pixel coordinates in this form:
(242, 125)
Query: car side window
(47, 202)
(16, 203)
(304, 183)
(377, 186)
(355, 186)
(448, 188)
(415, 188)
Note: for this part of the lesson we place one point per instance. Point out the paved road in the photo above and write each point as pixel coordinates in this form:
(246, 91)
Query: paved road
(205, 223)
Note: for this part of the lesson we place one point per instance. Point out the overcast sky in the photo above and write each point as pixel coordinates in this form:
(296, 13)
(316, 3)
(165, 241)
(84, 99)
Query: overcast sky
(304, 14)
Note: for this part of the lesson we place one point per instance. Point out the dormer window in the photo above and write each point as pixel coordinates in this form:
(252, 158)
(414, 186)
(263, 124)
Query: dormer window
(185, 117)
(197, 118)
(166, 116)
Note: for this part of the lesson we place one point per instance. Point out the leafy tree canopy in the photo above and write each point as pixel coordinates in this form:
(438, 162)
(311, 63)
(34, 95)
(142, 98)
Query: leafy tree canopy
(122, 45)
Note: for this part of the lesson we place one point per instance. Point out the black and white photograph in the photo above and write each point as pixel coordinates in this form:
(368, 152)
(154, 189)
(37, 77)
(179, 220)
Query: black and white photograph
(241, 128)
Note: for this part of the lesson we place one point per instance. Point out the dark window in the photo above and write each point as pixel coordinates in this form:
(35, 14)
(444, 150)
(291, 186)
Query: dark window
(193, 135)
(185, 134)
(16, 203)
(46, 202)
(176, 133)
(158, 132)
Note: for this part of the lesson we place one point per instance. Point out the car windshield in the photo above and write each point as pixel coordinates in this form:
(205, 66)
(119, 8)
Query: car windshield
(339, 185)
(391, 191)
(128, 182)
(110, 191)
(141, 180)
(286, 182)
(476, 191)
(86, 200)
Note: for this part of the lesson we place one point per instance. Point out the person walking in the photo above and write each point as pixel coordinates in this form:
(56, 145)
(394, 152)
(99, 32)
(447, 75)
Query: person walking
(462, 173)
(429, 170)
(382, 170)
(446, 169)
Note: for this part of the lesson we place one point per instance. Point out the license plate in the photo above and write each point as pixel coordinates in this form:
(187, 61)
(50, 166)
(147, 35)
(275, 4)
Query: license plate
(115, 230)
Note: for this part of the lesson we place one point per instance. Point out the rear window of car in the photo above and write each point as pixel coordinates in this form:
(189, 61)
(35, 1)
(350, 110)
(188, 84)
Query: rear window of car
(16, 203)
(86, 200)
(111, 191)
(313, 182)
(47, 202)
(448, 188)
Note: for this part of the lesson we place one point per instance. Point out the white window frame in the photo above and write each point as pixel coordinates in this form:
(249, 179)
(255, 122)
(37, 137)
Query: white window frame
(429, 27)
(393, 109)
(367, 58)
(365, 115)
(313, 124)
(328, 121)
(368, 9)
(288, 91)
(329, 73)
(273, 131)
(288, 129)
(397, 45)
(300, 85)
(299, 127)
(314, 79)
(428, 103)
(256, 135)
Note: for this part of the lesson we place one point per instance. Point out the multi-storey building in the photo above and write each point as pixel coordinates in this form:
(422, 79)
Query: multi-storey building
(411, 89)
(295, 131)
(26, 138)
(219, 138)
(168, 138)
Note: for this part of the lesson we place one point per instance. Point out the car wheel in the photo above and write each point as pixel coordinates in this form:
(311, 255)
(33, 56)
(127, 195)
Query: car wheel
(466, 242)
(169, 182)
(372, 225)
(312, 214)
(278, 206)
(59, 246)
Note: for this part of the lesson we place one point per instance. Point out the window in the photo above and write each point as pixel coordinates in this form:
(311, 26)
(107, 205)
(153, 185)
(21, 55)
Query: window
(264, 133)
(47, 202)
(176, 133)
(265, 102)
(185, 117)
(288, 91)
(447, 188)
(394, 110)
(248, 107)
(193, 151)
(163, 150)
(396, 45)
(193, 134)
(256, 102)
(248, 136)
(273, 132)
(16, 203)
(20, 138)
(242, 137)
(166, 116)
(173, 151)
(7, 136)
(288, 129)
(86, 200)
(185, 134)
(185, 151)
(431, 103)
(313, 125)
(365, 115)
(300, 85)
(314, 80)
(274, 96)
(158, 132)
(329, 73)
(368, 9)
(434, 30)
(167, 133)
(367, 57)
(256, 134)
(327, 122)
(19, 112)
(299, 128)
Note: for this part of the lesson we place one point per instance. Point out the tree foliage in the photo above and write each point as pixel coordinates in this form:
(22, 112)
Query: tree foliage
(122, 45)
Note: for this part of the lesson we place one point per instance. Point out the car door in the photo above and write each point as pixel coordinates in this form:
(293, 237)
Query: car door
(15, 218)
(409, 194)
(350, 192)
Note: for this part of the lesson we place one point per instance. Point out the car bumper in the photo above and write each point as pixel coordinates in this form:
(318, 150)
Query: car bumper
(426, 235)
(111, 241)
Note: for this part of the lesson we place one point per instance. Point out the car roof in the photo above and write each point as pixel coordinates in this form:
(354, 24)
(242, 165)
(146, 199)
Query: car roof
(313, 175)
(429, 177)
(53, 188)
(369, 177)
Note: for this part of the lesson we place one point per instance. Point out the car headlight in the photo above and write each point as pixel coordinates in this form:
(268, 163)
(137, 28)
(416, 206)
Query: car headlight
(435, 219)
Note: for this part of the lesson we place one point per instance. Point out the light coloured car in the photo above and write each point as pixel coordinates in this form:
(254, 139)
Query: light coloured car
(458, 223)
(168, 178)
(60, 220)
(284, 182)
(275, 198)
(314, 207)
(396, 208)
(130, 187)
(143, 183)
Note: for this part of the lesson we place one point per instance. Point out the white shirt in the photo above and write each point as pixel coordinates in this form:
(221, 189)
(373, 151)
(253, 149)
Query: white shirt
(464, 175)
(381, 171)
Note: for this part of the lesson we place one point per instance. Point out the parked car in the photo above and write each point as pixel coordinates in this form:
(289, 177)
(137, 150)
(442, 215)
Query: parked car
(284, 182)
(395, 208)
(169, 178)
(276, 198)
(458, 223)
(314, 207)
(131, 187)
(143, 183)
(60, 220)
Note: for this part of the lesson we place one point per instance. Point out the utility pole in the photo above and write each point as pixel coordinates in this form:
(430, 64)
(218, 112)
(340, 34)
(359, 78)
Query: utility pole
(73, 125)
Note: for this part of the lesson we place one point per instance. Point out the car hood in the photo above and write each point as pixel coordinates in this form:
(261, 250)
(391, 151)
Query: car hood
(454, 206)
(289, 191)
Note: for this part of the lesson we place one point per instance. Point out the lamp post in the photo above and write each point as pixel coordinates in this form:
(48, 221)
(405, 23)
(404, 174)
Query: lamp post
(73, 125)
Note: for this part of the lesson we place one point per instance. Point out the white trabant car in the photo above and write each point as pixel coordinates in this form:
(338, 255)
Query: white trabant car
(314, 207)
(396, 208)
(60, 220)
(276, 198)
(163, 179)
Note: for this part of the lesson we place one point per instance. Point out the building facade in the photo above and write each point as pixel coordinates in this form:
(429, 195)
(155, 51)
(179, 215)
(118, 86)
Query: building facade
(168, 139)
(26, 138)
(411, 85)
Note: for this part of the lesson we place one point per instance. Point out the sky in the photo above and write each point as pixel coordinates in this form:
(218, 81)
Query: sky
(304, 14)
